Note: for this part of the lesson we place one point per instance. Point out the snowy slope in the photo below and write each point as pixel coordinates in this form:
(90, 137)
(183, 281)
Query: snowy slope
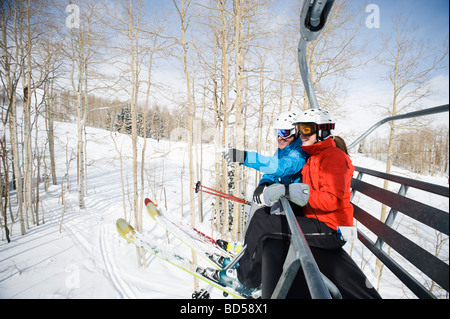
(81, 255)
(78, 253)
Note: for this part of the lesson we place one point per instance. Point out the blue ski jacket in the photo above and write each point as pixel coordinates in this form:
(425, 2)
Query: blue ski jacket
(283, 167)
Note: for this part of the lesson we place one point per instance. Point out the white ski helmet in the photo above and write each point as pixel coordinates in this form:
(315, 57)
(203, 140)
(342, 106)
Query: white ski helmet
(286, 121)
(322, 120)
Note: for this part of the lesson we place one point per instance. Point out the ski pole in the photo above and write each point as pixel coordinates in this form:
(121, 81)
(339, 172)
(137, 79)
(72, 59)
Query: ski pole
(227, 196)
(207, 190)
(220, 194)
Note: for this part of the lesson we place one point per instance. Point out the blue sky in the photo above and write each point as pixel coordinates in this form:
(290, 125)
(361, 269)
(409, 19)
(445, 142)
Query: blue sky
(431, 19)
(427, 13)
(430, 15)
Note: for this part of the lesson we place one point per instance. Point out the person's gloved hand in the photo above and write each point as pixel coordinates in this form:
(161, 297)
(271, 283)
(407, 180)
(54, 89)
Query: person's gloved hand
(257, 198)
(274, 192)
(235, 156)
(298, 193)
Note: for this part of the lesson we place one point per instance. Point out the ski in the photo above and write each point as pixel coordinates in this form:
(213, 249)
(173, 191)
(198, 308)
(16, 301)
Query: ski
(231, 247)
(182, 262)
(156, 214)
(214, 275)
(220, 254)
(188, 235)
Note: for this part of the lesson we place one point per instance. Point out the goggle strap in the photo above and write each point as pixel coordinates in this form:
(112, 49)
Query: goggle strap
(328, 126)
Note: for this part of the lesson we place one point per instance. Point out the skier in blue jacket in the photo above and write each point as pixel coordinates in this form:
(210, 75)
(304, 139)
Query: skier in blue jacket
(284, 167)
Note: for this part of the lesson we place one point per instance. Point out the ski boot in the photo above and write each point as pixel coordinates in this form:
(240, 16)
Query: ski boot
(229, 278)
(221, 261)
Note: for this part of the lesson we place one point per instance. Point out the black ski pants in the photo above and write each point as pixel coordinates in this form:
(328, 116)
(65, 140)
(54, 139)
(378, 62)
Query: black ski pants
(265, 227)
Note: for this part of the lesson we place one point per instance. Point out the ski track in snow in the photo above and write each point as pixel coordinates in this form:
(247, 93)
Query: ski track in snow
(123, 288)
(88, 259)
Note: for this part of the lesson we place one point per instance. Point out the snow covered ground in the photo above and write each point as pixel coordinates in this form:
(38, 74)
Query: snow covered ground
(79, 254)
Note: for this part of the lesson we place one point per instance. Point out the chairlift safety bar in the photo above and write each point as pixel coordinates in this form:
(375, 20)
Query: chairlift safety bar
(429, 111)
(299, 254)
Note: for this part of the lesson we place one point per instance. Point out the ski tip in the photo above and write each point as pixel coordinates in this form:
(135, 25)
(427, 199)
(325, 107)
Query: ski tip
(125, 230)
(122, 224)
(148, 200)
(151, 209)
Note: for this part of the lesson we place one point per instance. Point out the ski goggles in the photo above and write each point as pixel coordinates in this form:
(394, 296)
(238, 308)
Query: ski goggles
(308, 129)
(284, 133)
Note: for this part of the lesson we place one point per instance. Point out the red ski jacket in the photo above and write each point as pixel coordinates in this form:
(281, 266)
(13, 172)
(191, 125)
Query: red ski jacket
(328, 172)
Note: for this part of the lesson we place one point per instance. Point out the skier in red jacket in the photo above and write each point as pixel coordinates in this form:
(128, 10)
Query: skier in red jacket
(324, 194)
(328, 171)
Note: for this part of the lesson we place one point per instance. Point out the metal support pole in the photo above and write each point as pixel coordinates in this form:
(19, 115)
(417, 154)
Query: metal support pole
(299, 254)
(312, 20)
(304, 72)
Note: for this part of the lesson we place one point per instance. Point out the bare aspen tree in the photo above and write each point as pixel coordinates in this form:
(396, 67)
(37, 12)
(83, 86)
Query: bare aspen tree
(260, 146)
(140, 45)
(182, 13)
(250, 22)
(48, 53)
(129, 27)
(49, 109)
(83, 46)
(12, 38)
(150, 52)
(133, 30)
(118, 150)
(224, 98)
(207, 53)
(81, 49)
(217, 106)
(37, 73)
(27, 160)
(428, 157)
(38, 172)
(238, 104)
(27, 93)
(4, 168)
(409, 66)
(25, 61)
(80, 57)
(232, 26)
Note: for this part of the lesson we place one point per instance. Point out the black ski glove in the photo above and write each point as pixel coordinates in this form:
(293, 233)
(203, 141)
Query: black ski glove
(235, 156)
(258, 192)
